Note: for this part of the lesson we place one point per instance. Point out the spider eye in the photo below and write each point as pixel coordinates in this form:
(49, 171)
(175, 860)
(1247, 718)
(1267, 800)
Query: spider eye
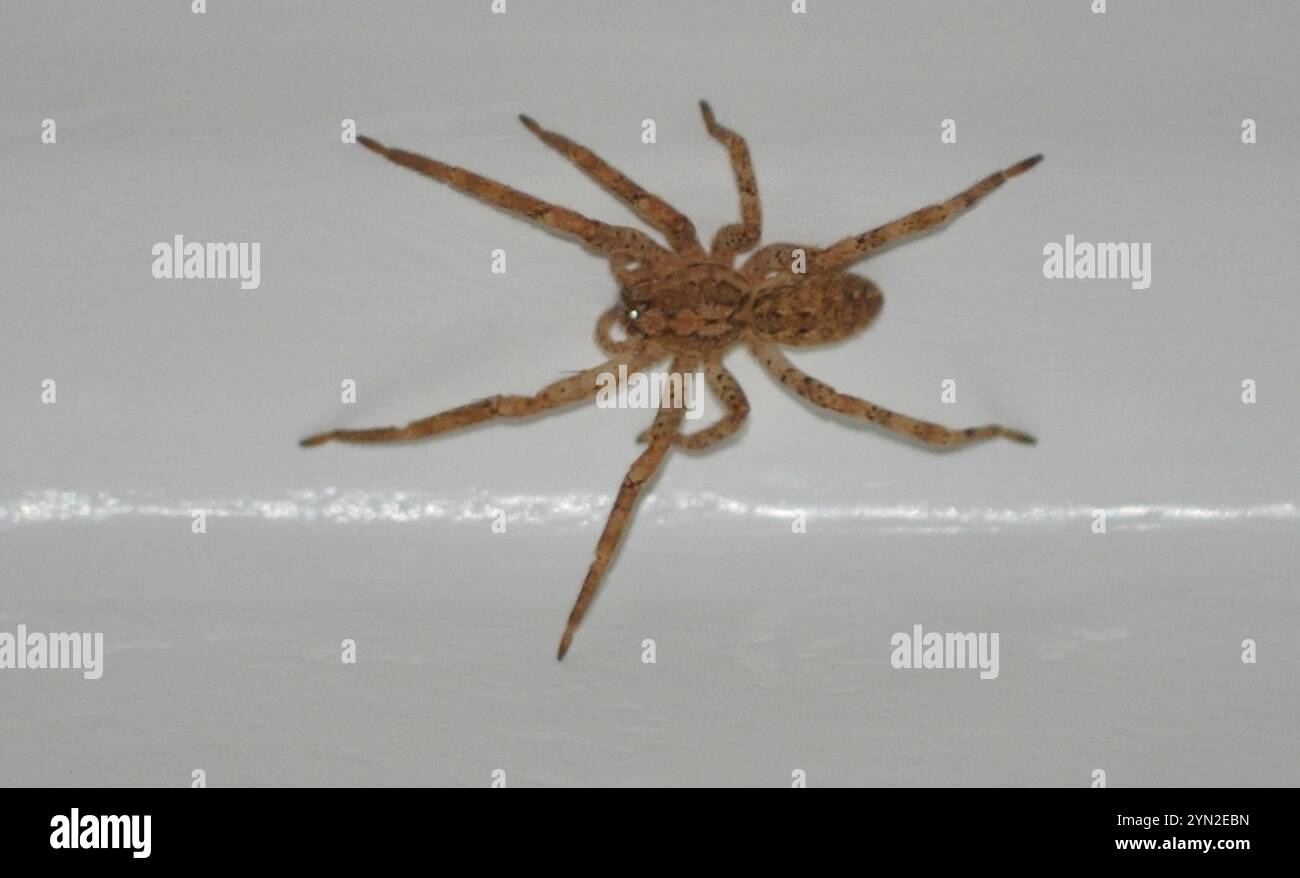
(633, 313)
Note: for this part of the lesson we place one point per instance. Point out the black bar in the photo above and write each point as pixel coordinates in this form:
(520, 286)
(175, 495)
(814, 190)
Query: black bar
(336, 826)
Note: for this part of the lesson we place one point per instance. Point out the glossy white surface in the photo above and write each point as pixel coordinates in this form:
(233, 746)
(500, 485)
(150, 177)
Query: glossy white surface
(1119, 652)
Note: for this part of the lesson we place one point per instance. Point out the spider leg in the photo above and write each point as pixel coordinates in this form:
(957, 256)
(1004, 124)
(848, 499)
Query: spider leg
(737, 237)
(775, 258)
(598, 236)
(564, 392)
(605, 338)
(776, 362)
(651, 208)
(666, 424)
(727, 389)
(849, 250)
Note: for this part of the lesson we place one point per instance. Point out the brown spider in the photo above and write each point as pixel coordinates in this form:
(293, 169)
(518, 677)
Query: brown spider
(692, 306)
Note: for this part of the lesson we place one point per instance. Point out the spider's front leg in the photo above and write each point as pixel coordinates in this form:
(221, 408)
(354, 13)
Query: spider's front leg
(678, 228)
(821, 394)
(566, 391)
(598, 236)
(667, 422)
(737, 237)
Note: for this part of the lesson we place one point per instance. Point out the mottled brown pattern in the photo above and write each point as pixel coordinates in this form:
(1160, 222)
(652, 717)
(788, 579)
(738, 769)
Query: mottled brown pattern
(681, 304)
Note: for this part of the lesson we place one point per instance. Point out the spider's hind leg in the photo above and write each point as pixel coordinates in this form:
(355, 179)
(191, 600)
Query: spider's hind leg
(775, 362)
(667, 422)
(845, 252)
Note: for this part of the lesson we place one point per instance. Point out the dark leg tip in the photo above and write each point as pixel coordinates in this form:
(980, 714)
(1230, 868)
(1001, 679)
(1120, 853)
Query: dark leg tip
(1021, 166)
(370, 144)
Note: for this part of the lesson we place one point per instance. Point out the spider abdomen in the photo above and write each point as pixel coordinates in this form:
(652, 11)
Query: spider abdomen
(818, 309)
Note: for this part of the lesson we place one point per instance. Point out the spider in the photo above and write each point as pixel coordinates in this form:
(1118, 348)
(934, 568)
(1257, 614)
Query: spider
(690, 306)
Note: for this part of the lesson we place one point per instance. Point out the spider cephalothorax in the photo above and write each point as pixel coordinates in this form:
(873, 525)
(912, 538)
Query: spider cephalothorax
(698, 305)
(689, 306)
